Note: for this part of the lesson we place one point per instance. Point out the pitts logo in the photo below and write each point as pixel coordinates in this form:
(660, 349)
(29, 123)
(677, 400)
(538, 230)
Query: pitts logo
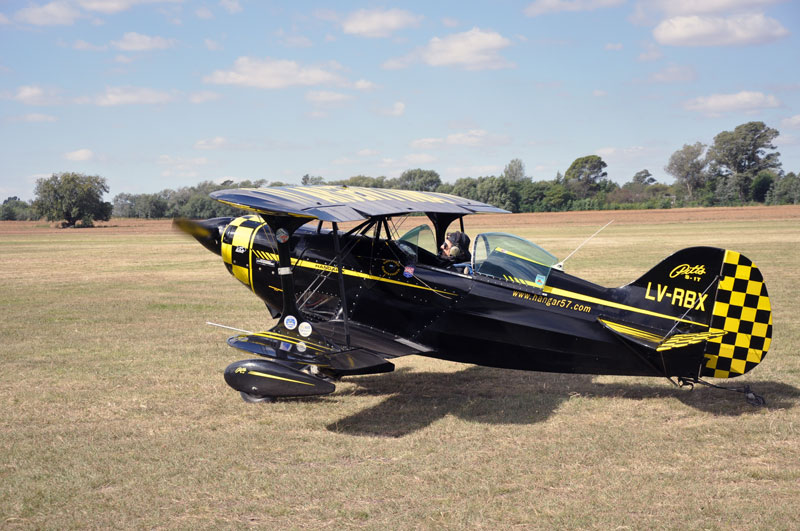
(685, 270)
(677, 297)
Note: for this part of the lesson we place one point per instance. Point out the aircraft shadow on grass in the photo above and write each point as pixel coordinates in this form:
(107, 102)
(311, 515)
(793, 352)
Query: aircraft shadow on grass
(496, 396)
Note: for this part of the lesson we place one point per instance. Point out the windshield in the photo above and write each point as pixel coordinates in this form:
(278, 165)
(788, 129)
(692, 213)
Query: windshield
(511, 258)
(420, 237)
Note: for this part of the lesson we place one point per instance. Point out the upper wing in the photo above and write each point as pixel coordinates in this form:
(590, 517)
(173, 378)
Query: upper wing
(347, 203)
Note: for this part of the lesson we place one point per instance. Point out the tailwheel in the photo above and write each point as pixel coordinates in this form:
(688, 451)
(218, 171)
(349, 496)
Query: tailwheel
(255, 399)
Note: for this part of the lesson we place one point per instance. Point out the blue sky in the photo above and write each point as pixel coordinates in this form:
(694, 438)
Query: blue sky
(161, 94)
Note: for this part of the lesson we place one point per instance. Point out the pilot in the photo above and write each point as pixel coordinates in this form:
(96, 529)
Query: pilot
(455, 250)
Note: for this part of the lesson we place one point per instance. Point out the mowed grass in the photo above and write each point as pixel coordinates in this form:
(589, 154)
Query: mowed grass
(115, 413)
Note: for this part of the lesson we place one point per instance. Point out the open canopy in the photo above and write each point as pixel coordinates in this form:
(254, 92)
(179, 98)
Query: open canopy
(347, 203)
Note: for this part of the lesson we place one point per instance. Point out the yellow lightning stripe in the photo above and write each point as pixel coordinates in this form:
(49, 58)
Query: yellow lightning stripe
(515, 255)
(265, 375)
(349, 272)
(635, 332)
(290, 339)
(595, 300)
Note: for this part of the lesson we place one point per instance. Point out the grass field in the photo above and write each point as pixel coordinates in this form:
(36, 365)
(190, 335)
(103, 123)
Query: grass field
(115, 413)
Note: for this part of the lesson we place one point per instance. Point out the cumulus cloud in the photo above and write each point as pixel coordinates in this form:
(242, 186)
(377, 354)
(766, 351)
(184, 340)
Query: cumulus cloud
(379, 23)
(544, 7)
(792, 121)
(696, 30)
(53, 14)
(271, 74)
(613, 46)
(131, 96)
(471, 50)
(470, 138)
(36, 95)
(79, 155)
(136, 42)
(203, 96)
(397, 109)
(212, 143)
(325, 97)
(707, 7)
(231, 6)
(363, 84)
(745, 101)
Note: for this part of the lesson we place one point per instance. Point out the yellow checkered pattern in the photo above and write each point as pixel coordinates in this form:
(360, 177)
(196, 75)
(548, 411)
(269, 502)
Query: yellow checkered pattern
(742, 311)
(239, 234)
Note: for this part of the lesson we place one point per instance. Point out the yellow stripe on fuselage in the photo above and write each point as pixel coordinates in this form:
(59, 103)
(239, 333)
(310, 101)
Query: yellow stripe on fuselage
(610, 304)
(265, 375)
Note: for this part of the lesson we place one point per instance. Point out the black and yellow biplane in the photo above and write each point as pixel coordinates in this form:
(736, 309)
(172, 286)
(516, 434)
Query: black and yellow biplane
(349, 301)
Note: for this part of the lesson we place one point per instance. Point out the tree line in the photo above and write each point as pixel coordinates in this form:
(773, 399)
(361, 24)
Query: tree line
(739, 167)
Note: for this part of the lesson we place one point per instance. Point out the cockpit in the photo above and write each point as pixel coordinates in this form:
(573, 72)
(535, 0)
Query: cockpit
(496, 255)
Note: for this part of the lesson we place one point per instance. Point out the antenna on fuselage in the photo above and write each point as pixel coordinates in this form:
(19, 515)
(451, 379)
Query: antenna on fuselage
(560, 265)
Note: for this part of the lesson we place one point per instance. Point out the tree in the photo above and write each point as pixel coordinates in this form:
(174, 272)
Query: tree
(643, 177)
(312, 180)
(584, 174)
(418, 179)
(742, 154)
(72, 197)
(687, 165)
(784, 191)
(500, 192)
(15, 209)
(515, 170)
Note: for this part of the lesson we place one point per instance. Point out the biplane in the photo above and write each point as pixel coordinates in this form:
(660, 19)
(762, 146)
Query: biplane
(347, 302)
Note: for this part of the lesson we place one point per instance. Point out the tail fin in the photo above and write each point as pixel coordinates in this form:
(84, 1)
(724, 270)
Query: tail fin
(716, 296)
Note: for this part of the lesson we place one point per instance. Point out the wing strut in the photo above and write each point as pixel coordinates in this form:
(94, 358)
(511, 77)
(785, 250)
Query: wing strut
(342, 292)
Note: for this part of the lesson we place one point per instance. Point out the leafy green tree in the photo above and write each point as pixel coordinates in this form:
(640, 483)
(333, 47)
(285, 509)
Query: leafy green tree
(761, 185)
(500, 192)
(72, 197)
(688, 165)
(466, 187)
(742, 154)
(584, 174)
(363, 180)
(15, 209)
(784, 191)
(312, 180)
(643, 177)
(417, 179)
(515, 170)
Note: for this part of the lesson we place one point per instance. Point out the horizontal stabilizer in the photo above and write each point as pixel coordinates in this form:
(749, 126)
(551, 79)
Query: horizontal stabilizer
(637, 334)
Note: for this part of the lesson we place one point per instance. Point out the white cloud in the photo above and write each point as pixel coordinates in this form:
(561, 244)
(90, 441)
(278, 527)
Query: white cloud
(397, 109)
(450, 22)
(79, 155)
(471, 138)
(231, 6)
(131, 96)
(110, 7)
(706, 7)
(379, 23)
(203, 13)
(792, 121)
(36, 95)
(136, 42)
(325, 97)
(366, 152)
(543, 7)
(88, 47)
(745, 101)
(4, 19)
(123, 59)
(181, 166)
(598, 93)
(217, 142)
(673, 74)
(363, 84)
(472, 50)
(613, 46)
(695, 30)
(271, 74)
(203, 96)
(53, 14)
